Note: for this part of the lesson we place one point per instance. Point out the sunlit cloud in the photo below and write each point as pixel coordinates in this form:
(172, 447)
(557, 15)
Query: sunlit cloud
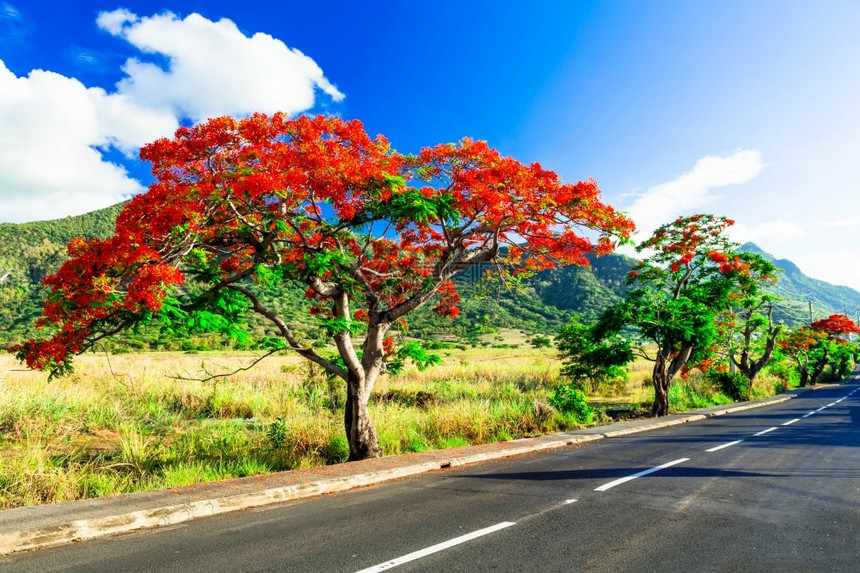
(767, 231)
(213, 68)
(692, 191)
(55, 131)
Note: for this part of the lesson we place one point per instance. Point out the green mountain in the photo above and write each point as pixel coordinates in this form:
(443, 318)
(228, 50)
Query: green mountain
(799, 290)
(543, 304)
(28, 252)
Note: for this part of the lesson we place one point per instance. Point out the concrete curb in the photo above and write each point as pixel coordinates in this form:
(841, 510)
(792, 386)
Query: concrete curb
(61, 531)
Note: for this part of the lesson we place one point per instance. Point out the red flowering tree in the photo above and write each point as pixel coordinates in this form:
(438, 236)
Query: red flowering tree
(822, 343)
(746, 329)
(678, 291)
(370, 234)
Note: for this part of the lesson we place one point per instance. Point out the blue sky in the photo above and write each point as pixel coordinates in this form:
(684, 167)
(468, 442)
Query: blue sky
(747, 109)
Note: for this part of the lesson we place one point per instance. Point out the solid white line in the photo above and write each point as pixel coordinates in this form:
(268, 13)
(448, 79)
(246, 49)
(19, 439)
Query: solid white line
(724, 446)
(790, 422)
(436, 548)
(612, 484)
(763, 432)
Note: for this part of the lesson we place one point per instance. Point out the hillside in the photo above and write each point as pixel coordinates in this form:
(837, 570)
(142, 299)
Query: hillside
(797, 289)
(29, 251)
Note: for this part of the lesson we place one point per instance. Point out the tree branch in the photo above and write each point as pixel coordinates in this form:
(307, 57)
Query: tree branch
(287, 334)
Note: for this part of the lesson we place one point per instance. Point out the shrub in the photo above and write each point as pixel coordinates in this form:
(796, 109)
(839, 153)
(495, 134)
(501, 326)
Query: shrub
(566, 398)
(733, 384)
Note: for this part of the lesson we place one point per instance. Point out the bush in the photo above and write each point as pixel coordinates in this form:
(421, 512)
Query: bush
(733, 384)
(566, 398)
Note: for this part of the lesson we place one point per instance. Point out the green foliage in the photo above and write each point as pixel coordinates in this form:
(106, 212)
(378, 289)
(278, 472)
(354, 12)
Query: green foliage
(277, 433)
(593, 355)
(733, 384)
(685, 396)
(570, 400)
(417, 352)
(539, 341)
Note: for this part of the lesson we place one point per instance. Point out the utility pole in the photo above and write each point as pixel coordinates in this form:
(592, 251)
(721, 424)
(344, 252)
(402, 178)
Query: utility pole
(809, 300)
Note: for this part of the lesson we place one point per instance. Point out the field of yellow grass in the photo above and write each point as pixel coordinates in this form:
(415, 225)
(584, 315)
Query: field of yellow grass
(133, 422)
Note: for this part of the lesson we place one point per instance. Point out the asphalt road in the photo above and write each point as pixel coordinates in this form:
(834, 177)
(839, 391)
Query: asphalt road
(770, 489)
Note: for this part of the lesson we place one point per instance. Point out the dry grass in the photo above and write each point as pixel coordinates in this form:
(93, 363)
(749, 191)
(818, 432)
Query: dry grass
(126, 423)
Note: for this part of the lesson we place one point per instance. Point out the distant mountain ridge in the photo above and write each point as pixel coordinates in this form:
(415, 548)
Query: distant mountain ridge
(798, 289)
(29, 251)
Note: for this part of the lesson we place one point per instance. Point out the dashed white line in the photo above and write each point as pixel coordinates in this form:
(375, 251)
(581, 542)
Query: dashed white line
(567, 501)
(763, 432)
(724, 446)
(790, 422)
(807, 415)
(830, 404)
(620, 481)
(436, 548)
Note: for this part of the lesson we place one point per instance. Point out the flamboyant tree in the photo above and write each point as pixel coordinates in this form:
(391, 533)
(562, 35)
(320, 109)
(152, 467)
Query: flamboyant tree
(746, 330)
(823, 342)
(678, 291)
(239, 205)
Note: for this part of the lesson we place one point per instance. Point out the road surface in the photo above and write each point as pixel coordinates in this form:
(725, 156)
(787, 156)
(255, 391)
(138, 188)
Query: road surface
(770, 489)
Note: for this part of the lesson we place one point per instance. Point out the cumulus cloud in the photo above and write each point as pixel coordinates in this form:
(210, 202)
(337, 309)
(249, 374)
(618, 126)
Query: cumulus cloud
(51, 129)
(213, 68)
(55, 131)
(693, 190)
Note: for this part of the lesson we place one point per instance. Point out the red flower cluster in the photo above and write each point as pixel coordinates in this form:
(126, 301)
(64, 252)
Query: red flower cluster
(317, 200)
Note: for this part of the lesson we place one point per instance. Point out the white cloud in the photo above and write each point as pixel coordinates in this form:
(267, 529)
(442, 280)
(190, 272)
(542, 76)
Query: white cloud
(845, 222)
(113, 21)
(54, 129)
(50, 129)
(213, 68)
(692, 190)
(768, 232)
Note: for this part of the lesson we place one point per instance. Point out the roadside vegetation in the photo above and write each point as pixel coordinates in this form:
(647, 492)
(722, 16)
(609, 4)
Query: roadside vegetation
(124, 423)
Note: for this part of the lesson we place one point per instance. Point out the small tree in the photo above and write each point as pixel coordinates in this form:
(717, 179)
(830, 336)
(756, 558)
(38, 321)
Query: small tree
(590, 360)
(678, 292)
(369, 233)
(822, 343)
(746, 330)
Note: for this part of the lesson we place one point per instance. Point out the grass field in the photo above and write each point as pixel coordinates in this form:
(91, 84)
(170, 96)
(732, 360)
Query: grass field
(130, 422)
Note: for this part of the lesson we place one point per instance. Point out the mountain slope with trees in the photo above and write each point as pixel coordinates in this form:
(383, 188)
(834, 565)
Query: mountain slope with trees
(29, 251)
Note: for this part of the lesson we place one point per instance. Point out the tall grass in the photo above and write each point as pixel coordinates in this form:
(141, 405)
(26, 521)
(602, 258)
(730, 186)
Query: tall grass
(135, 422)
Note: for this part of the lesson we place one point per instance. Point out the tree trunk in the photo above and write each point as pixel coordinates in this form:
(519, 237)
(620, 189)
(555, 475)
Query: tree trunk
(660, 407)
(661, 381)
(360, 432)
(666, 365)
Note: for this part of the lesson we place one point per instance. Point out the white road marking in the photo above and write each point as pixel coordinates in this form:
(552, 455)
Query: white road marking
(436, 548)
(763, 432)
(821, 408)
(807, 415)
(612, 484)
(724, 446)
(831, 405)
(790, 422)
(569, 501)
